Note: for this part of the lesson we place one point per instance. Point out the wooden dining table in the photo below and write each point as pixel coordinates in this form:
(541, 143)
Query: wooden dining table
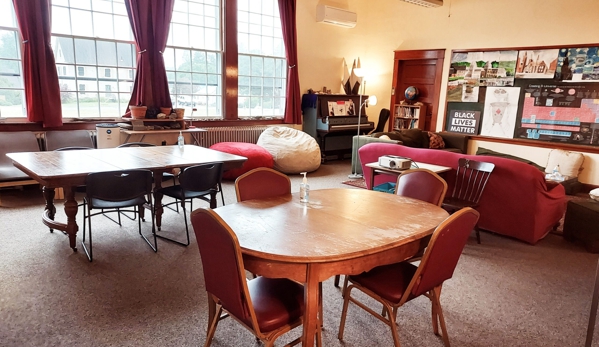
(68, 169)
(339, 231)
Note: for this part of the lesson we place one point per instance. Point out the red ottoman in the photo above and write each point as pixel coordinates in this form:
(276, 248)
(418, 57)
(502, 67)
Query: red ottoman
(257, 157)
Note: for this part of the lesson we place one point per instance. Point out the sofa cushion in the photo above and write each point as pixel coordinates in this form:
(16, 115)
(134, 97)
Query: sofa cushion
(485, 151)
(570, 163)
(435, 141)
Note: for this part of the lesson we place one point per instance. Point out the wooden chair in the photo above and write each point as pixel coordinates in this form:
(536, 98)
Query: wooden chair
(470, 181)
(395, 284)
(195, 182)
(114, 191)
(261, 183)
(267, 307)
(421, 184)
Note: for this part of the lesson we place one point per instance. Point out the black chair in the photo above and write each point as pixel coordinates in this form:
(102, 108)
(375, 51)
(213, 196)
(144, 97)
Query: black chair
(383, 117)
(195, 182)
(115, 191)
(470, 182)
(58, 139)
(165, 175)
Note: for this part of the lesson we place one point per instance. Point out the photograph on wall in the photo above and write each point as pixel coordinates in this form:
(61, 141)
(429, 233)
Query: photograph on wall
(501, 108)
(560, 112)
(496, 69)
(470, 92)
(578, 64)
(537, 63)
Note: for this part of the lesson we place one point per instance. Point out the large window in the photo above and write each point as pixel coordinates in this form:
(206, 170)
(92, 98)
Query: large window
(95, 57)
(262, 64)
(12, 102)
(193, 58)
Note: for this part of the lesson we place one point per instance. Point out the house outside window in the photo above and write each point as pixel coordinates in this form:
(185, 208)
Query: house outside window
(262, 63)
(12, 95)
(93, 38)
(95, 53)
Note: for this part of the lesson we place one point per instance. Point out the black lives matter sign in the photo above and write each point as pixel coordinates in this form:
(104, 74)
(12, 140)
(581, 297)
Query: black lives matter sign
(463, 122)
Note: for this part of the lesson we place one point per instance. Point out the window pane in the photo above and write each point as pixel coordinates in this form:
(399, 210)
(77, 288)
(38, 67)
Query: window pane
(261, 58)
(12, 102)
(107, 53)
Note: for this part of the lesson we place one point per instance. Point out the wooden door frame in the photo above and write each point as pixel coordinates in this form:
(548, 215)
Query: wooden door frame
(439, 55)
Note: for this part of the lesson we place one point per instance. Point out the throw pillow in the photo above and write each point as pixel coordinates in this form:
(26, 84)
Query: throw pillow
(435, 141)
(570, 163)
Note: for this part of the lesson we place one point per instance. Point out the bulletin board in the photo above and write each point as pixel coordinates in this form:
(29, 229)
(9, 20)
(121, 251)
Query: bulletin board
(548, 94)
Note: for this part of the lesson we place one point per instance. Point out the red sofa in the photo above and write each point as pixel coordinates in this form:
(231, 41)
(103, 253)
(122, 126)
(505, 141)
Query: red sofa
(516, 202)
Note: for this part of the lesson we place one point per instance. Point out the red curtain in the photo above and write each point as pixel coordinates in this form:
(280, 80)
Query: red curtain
(293, 111)
(150, 21)
(42, 92)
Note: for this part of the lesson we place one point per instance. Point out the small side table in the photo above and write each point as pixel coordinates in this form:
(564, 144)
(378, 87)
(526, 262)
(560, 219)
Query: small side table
(582, 223)
(571, 184)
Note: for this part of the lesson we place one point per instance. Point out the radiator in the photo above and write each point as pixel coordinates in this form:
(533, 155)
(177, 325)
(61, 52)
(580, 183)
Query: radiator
(214, 135)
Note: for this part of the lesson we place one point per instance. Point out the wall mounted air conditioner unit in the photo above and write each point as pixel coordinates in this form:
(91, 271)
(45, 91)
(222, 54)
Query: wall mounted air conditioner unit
(336, 16)
(426, 3)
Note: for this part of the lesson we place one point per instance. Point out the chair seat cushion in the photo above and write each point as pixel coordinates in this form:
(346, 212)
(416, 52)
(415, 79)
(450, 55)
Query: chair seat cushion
(388, 281)
(293, 151)
(277, 302)
(257, 157)
(104, 204)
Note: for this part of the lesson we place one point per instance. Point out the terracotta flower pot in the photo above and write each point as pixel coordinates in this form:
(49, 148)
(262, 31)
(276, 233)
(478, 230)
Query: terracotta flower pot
(138, 112)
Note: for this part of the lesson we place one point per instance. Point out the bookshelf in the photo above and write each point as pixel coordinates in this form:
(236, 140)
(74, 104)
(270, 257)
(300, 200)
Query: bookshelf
(407, 116)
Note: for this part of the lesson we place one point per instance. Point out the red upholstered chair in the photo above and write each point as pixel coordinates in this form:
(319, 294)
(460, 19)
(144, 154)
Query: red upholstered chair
(394, 285)
(261, 183)
(422, 184)
(267, 307)
(470, 182)
(257, 157)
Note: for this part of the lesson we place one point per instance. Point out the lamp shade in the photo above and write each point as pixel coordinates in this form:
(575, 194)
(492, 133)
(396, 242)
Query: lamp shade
(372, 100)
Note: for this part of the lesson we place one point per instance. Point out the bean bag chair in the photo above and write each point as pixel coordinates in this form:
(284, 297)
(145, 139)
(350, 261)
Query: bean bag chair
(293, 151)
(257, 157)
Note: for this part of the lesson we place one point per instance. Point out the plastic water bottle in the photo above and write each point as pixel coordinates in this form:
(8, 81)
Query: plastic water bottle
(304, 189)
(180, 140)
(557, 175)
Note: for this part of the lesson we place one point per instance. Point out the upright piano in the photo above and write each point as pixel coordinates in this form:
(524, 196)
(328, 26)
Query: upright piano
(332, 119)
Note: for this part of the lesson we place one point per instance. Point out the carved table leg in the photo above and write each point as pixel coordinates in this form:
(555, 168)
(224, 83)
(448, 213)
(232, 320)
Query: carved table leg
(158, 198)
(70, 209)
(50, 208)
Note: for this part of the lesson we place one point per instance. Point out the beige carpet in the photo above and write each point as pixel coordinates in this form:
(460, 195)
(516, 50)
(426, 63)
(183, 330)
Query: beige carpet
(503, 293)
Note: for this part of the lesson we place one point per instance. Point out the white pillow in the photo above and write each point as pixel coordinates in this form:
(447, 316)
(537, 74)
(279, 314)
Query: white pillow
(594, 194)
(570, 163)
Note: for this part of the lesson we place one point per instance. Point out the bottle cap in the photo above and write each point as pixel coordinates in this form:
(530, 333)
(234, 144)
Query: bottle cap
(305, 180)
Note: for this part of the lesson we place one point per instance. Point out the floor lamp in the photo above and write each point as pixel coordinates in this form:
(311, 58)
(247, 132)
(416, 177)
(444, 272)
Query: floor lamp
(370, 101)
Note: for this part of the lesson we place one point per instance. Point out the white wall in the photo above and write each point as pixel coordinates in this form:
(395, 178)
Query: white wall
(388, 25)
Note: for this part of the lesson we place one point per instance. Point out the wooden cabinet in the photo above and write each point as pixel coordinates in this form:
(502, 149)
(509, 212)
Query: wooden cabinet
(408, 116)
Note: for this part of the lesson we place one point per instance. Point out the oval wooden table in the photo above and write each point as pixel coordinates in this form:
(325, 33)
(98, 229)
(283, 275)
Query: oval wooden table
(340, 231)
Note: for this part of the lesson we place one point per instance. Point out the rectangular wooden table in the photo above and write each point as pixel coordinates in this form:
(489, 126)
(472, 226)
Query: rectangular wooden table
(376, 169)
(194, 132)
(339, 231)
(68, 169)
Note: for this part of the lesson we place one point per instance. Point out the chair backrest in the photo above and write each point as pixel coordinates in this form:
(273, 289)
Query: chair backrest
(118, 185)
(261, 183)
(422, 184)
(136, 144)
(11, 142)
(67, 138)
(383, 117)
(471, 179)
(200, 178)
(443, 251)
(222, 264)
(72, 148)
